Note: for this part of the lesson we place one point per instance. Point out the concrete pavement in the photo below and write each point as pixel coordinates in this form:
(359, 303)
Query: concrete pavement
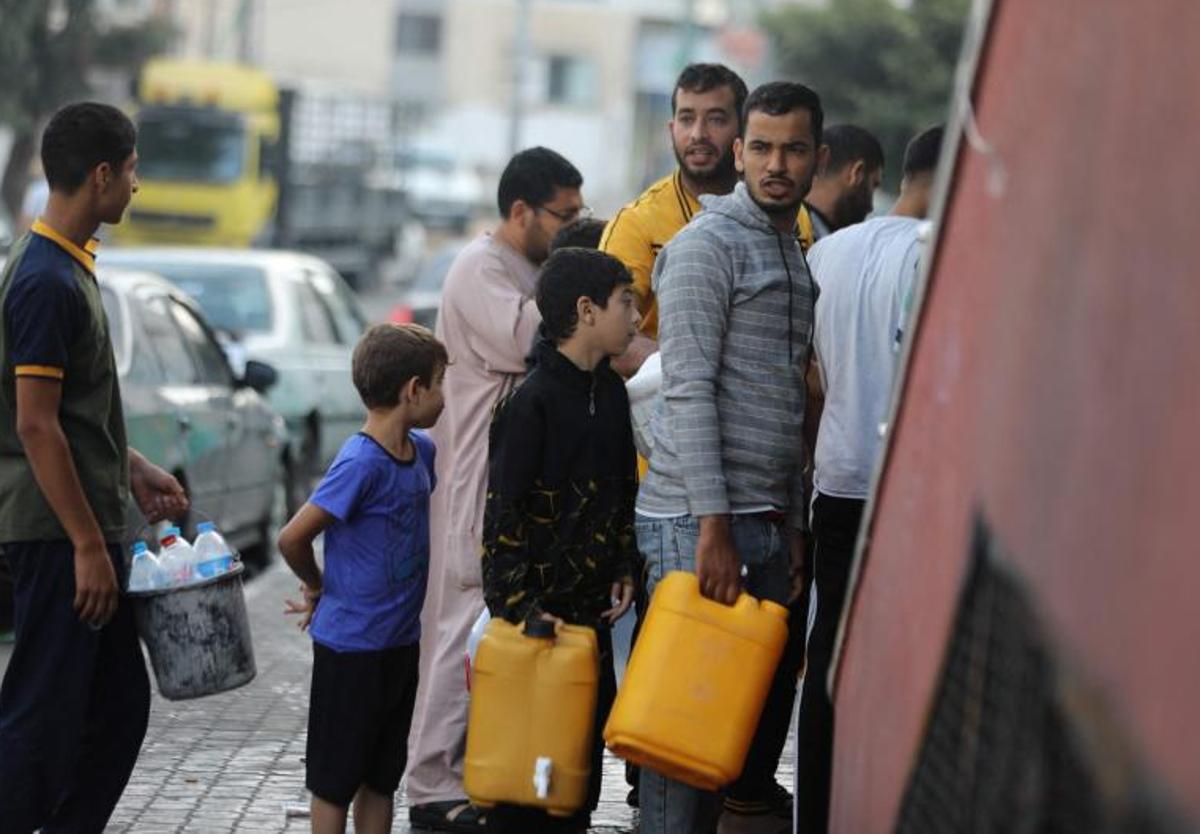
(234, 762)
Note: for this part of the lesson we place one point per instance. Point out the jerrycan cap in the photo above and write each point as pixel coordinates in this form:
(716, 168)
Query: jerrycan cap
(539, 628)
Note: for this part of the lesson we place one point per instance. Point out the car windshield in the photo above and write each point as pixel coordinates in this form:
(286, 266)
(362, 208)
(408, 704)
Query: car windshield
(190, 145)
(234, 297)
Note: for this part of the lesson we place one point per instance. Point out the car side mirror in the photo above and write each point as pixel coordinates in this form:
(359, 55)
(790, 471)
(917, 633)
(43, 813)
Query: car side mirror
(259, 375)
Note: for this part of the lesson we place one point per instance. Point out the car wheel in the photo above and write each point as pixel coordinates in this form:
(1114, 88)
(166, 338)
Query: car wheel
(310, 450)
(259, 556)
(299, 484)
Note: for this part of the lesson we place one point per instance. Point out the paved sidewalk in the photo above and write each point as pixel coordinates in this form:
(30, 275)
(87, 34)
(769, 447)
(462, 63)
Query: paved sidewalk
(234, 762)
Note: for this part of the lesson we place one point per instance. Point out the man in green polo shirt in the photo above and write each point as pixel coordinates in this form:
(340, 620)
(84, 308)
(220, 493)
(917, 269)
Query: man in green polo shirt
(75, 700)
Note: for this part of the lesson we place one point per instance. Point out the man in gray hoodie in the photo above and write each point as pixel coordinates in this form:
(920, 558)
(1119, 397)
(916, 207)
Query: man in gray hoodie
(725, 490)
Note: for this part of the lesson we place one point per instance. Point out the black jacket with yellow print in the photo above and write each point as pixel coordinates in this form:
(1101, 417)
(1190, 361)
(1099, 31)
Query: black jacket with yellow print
(562, 482)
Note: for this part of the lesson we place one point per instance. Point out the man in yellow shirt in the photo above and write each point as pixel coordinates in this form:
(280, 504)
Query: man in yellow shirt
(706, 112)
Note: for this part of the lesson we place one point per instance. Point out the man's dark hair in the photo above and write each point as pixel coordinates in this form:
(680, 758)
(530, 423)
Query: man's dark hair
(700, 78)
(533, 175)
(584, 233)
(388, 356)
(778, 98)
(80, 137)
(921, 155)
(850, 143)
(567, 276)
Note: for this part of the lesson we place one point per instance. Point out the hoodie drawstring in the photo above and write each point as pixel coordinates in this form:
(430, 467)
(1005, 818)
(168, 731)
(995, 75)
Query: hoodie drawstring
(788, 270)
(791, 292)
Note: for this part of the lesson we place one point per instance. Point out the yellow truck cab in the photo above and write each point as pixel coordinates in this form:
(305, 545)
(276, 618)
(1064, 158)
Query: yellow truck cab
(207, 134)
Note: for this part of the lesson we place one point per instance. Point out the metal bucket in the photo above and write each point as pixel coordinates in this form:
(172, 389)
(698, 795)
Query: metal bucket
(198, 636)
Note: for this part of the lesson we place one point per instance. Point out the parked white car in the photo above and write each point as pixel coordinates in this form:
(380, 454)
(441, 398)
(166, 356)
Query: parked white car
(288, 309)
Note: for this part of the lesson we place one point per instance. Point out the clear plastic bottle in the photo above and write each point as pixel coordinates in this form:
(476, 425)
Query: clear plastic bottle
(176, 557)
(145, 573)
(213, 556)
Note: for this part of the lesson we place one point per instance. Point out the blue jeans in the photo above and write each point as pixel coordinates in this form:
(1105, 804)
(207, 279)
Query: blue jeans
(667, 544)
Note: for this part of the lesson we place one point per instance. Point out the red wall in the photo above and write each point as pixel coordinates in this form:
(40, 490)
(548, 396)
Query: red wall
(1055, 385)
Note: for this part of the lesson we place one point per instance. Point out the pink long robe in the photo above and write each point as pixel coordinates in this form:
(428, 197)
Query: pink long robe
(487, 321)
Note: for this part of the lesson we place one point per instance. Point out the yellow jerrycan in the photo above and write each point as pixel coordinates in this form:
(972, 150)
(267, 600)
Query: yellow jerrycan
(696, 683)
(533, 707)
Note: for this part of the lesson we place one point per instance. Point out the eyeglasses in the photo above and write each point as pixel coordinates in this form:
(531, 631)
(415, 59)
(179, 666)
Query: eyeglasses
(584, 213)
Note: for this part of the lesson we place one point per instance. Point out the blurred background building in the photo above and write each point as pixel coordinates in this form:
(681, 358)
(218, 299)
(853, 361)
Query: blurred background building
(590, 78)
(429, 98)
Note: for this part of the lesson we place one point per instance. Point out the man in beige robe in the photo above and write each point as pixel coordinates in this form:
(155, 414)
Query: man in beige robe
(488, 320)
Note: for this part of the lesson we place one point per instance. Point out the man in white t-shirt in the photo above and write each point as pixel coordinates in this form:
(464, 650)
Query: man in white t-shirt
(864, 273)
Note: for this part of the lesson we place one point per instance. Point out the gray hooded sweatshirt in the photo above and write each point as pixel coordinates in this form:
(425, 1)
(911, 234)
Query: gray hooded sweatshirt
(735, 306)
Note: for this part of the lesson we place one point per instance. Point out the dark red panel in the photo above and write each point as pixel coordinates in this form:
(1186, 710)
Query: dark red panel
(1055, 386)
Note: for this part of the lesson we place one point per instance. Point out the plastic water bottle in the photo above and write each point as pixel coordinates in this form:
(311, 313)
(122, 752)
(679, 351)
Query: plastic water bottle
(176, 557)
(145, 573)
(213, 554)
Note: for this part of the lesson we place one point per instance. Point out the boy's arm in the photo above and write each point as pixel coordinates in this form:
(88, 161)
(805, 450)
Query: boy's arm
(296, 544)
(516, 462)
(49, 456)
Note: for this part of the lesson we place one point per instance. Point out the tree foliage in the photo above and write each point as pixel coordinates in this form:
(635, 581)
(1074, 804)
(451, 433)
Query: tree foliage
(46, 52)
(887, 68)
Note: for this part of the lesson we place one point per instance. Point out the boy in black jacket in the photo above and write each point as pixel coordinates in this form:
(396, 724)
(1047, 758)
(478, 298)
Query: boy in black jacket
(558, 538)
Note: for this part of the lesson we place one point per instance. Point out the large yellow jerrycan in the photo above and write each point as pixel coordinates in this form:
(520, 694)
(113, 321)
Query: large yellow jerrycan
(696, 683)
(533, 706)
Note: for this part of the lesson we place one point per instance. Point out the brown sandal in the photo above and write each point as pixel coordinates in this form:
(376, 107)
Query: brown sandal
(456, 815)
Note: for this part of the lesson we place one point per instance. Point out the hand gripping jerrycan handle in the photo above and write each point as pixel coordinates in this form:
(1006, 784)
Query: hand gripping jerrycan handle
(540, 629)
(696, 683)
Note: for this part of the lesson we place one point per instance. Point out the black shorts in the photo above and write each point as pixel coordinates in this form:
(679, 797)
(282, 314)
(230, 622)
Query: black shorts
(359, 713)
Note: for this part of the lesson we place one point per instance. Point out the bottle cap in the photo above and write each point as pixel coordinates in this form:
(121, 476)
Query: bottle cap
(206, 527)
(139, 547)
(537, 627)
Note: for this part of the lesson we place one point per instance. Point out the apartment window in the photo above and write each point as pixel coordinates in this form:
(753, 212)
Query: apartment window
(570, 81)
(418, 34)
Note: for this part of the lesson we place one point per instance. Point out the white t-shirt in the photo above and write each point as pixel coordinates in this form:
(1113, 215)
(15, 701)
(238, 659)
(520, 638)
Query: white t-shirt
(865, 274)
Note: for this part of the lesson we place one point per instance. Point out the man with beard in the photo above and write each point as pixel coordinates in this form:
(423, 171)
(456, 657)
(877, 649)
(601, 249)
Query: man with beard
(843, 191)
(706, 109)
(866, 274)
(487, 322)
(725, 490)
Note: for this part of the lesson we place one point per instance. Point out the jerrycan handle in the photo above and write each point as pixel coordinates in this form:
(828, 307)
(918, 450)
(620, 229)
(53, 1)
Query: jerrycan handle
(747, 603)
(539, 629)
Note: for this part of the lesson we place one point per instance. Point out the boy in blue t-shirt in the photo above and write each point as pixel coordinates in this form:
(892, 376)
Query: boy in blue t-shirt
(364, 610)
